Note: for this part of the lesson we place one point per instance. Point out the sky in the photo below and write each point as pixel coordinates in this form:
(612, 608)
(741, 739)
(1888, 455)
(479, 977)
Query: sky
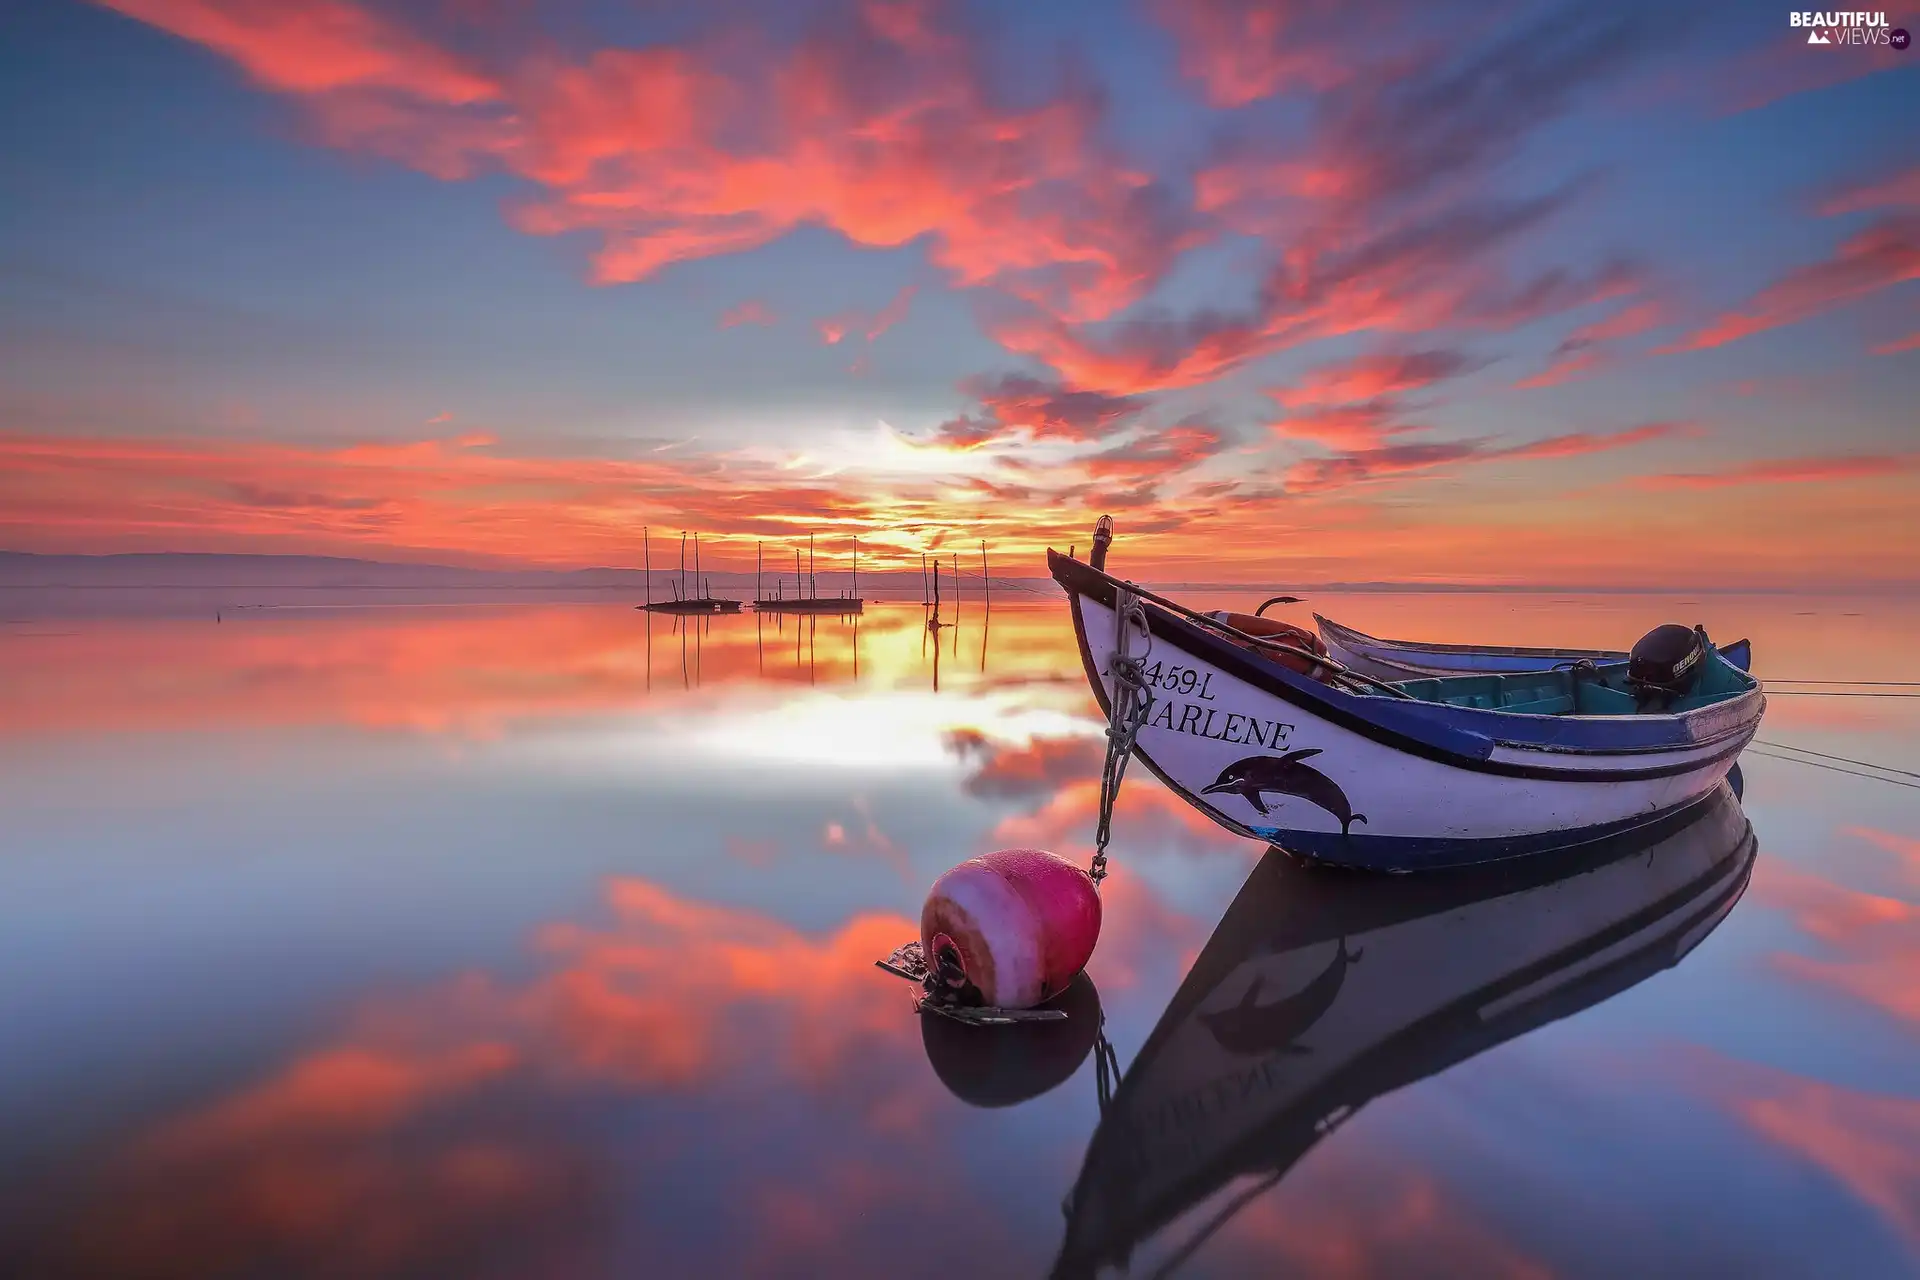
(1496, 293)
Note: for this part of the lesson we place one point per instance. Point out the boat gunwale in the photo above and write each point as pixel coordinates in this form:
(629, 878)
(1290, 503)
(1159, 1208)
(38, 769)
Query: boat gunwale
(1080, 579)
(1344, 632)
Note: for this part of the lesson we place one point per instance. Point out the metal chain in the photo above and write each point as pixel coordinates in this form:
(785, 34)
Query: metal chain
(1127, 712)
(1106, 1067)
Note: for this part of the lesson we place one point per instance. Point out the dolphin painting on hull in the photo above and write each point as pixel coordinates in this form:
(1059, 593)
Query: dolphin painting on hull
(1251, 1028)
(1285, 776)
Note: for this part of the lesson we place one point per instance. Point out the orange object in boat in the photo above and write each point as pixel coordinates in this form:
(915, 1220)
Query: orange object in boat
(1284, 632)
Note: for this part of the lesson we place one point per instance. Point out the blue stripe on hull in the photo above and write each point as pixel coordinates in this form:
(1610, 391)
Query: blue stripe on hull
(1413, 853)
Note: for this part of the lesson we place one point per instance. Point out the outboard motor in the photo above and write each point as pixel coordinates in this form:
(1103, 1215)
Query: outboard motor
(1666, 663)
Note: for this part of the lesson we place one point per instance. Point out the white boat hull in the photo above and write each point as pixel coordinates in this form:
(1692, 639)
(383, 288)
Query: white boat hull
(1404, 811)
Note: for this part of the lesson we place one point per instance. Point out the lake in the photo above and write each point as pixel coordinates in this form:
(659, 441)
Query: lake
(538, 939)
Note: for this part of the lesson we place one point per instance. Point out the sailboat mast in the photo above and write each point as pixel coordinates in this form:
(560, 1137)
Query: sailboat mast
(680, 588)
(646, 553)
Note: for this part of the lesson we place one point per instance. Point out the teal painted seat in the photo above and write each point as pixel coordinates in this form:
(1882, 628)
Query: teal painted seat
(1580, 690)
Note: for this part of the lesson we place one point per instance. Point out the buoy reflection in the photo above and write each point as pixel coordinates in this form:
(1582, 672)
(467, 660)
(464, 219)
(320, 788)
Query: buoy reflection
(1004, 1065)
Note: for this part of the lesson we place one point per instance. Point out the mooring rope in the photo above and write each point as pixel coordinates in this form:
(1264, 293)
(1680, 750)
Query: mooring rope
(1808, 751)
(1127, 712)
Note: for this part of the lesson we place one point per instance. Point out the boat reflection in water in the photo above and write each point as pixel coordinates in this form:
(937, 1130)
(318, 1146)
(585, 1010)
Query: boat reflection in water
(1324, 989)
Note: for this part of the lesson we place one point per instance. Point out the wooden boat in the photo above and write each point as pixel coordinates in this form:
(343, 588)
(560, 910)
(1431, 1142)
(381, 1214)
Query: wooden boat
(1414, 659)
(1321, 991)
(1350, 769)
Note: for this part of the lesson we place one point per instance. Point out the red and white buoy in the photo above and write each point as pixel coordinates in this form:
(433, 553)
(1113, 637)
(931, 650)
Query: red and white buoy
(1015, 925)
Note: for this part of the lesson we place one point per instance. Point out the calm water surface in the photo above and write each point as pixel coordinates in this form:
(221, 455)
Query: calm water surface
(536, 940)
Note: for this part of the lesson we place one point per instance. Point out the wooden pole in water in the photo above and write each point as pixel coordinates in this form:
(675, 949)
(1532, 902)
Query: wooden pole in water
(856, 570)
(680, 587)
(646, 551)
(797, 580)
(757, 592)
(698, 581)
(813, 584)
(956, 590)
(923, 577)
(936, 586)
(986, 584)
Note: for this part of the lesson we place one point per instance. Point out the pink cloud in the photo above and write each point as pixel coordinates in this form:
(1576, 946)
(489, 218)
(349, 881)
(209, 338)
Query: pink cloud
(1785, 66)
(1320, 475)
(1868, 1143)
(1020, 404)
(891, 314)
(1370, 376)
(833, 329)
(1577, 443)
(1350, 428)
(1244, 50)
(318, 46)
(880, 126)
(1899, 190)
(1883, 254)
(1786, 471)
(750, 312)
(1158, 454)
(1909, 343)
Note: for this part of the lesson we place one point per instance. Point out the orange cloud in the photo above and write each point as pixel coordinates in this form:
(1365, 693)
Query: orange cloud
(1786, 471)
(470, 500)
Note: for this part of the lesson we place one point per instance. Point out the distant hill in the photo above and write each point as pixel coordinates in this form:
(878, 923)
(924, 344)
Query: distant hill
(193, 571)
(228, 575)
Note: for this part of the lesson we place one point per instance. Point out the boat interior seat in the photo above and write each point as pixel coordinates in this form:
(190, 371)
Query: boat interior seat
(1586, 690)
